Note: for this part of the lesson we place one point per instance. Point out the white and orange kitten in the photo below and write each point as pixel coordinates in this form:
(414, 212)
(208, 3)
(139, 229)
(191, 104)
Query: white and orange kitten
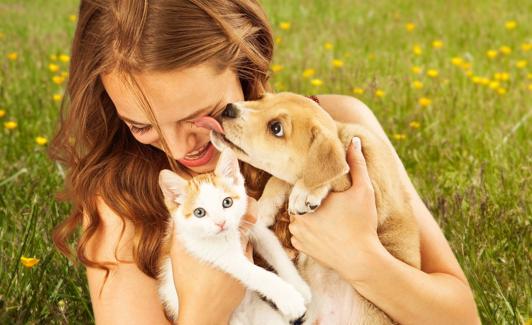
(207, 220)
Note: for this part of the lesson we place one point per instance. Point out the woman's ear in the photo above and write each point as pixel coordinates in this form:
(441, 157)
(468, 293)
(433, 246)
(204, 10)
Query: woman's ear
(227, 166)
(172, 186)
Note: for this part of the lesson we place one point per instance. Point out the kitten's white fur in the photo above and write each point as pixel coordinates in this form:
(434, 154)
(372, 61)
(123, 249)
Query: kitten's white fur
(203, 238)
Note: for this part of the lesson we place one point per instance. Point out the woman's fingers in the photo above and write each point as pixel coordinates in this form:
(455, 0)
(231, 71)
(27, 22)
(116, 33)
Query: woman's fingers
(357, 164)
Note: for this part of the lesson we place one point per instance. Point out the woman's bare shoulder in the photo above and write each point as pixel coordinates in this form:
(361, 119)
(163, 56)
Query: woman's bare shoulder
(436, 253)
(119, 301)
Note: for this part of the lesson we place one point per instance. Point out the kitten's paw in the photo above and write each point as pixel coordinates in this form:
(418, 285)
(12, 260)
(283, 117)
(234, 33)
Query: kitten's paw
(303, 288)
(291, 303)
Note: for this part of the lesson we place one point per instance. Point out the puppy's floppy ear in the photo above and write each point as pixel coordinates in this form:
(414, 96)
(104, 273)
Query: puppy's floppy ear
(326, 160)
(173, 188)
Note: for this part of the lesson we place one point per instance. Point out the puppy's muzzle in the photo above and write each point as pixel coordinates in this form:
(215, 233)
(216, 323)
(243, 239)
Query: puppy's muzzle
(230, 111)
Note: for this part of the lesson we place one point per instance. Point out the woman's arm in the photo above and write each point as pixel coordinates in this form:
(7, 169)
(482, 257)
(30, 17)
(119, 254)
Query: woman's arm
(439, 292)
(129, 296)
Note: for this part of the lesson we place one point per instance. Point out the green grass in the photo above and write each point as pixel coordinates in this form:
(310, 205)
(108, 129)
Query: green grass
(469, 159)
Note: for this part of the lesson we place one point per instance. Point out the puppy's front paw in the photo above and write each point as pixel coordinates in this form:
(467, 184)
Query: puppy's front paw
(297, 202)
(303, 201)
(266, 212)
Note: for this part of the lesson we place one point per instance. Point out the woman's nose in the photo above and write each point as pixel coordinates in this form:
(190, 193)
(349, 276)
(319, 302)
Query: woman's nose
(181, 140)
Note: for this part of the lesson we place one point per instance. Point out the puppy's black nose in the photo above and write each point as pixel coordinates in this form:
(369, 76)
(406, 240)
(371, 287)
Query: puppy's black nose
(230, 111)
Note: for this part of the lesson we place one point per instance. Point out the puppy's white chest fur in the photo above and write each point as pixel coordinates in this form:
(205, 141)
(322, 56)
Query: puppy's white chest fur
(334, 301)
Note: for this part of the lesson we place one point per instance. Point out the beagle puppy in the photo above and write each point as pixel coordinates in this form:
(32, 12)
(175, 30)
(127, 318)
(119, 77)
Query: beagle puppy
(295, 140)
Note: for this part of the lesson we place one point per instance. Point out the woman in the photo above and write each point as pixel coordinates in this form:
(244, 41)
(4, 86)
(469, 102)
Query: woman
(141, 72)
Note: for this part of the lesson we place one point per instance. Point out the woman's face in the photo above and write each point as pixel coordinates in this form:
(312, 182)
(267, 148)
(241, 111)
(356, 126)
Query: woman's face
(177, 98)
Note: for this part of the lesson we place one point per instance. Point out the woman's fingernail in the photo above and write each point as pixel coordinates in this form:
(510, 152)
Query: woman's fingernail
(356, 142)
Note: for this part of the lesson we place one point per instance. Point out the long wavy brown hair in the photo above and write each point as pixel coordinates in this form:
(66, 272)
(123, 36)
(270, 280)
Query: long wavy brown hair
(101, 157)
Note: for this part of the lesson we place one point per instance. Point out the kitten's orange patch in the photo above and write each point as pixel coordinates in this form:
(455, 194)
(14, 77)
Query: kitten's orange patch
(193, 188)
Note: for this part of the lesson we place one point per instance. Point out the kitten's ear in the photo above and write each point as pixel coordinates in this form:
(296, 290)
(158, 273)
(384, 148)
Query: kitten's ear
(172, 185)
(227, 166)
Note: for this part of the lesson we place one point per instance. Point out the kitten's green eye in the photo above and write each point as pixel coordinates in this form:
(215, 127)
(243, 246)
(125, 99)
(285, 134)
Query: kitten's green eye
(227, 202)
(199, 212)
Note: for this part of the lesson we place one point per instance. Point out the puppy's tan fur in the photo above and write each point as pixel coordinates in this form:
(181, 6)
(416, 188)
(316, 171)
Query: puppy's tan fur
(308, 161)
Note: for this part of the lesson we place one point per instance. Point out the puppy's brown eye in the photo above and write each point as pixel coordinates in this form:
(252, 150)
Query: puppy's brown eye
(277, 128)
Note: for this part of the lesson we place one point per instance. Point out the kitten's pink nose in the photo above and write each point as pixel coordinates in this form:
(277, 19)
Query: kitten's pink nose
(221, 224)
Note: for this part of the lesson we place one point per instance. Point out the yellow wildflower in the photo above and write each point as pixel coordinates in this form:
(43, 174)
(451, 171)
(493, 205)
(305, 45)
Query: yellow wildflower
(521, 64)
(492, 54)
(12, 56)
(505, 50)
(525, 47)
(457, 61)
(72, 18)
(530, 87)
(2, 35)
(494, 85)
(284, 25)
(53, 67)
(316, 82)
(337, 63)
(278, 40)
(41, 141)
(10, 125)
(469, 73)
(399, 136)
(64, 58)
(57, 97)
(433, 73)
(485, 81)
(379, 93)
(529, 76)
(510, 24)
(277, 67)
(29, 262)
(53, 57)
(501, 76)
(465, 65)
(416, 70)
(61, 304)
(417, 49)
(417, 84)
(414, 125)
(477, 79)
(437, 44)
(424, 102)
(308, 72)
(410, 26)
(501, 91)
(328, 46)
(2, 113)
(358, 91)
(58, 79)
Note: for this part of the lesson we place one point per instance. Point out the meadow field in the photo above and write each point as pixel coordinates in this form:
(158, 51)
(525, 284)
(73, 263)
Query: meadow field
(450, 81)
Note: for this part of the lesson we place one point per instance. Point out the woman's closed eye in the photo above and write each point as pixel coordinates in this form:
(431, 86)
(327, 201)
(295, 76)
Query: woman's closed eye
(141, 130)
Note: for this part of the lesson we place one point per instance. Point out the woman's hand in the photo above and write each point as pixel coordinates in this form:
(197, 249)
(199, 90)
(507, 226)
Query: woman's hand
(344, 228)
(208, 295)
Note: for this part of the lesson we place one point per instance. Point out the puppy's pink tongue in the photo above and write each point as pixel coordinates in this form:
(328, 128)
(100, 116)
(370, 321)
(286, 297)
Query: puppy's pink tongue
(209, 123)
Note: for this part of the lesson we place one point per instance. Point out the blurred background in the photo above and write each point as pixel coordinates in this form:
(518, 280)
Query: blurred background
(450, 81)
